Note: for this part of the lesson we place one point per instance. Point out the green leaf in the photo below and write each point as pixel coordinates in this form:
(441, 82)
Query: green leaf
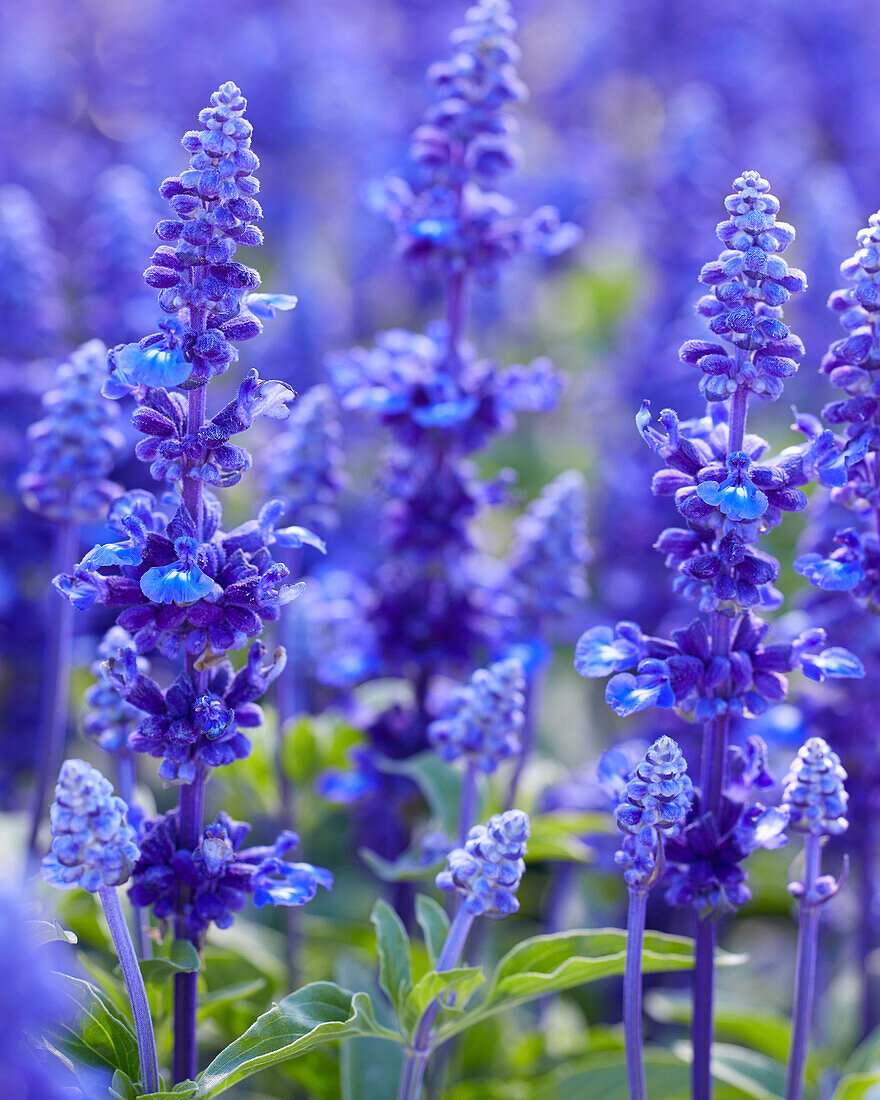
(48, 931)
(184, 1090)
(560, 836)
(241, 991)
(91, 1032)
(408, 867)
(438, 781)
(395, 964)
(753, 1074)
(369, 1068)
(563, 960)
(740, 1022)
(462, 982)
(122, 1087)
(183, 958)
(604, 1075)
(866, 1056)
(856, 1086)
(315, 1014)
(434, 923)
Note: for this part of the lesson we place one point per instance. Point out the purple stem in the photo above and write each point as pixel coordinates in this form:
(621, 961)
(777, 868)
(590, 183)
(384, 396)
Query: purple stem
(416, 1058)
(134, 985)
(701, 1025)
(56, 684)
(712, 781)
(528, 735)
(190, 809)
(125, 782)
(467, 805)
(632, 994)
(805, 972)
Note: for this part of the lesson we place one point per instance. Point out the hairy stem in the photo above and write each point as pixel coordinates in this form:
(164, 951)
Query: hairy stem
(467, 806)
(134, 985)
(805, 971)
(56, 685)
(704, 992)
(415, 1060)
(632, 995)
(126, 780)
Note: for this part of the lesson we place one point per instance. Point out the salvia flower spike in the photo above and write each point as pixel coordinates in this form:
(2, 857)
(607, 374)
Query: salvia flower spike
(729, 495)
(486, 874)
(816, 799)
(481, 723)
(655, 802)
(94, 848)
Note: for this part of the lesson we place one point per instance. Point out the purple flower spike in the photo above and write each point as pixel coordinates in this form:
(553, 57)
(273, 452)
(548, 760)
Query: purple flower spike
(93, 845)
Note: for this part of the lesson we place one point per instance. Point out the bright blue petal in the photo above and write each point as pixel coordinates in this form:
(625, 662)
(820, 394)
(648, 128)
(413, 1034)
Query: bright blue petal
(829, 574)
(627, 694)
(295, 537)
(112, 553)
(175, 584)
(737, 502)
(445, 413)
(344, 788)
(155, 366)
(599, 653)
(836, 663)
(268, 305)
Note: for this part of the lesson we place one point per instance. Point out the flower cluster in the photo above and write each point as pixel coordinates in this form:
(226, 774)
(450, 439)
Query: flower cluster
(74, 447)
(176, 594)
(450, 221)
(482, 720)
(750, 282)
(189, 725)
(706, 872)
(814, 794)
(200, 284)
(219, 876)
(843, 455)
(486, 872)
(655, 803)
(92, 843)
(685, 674)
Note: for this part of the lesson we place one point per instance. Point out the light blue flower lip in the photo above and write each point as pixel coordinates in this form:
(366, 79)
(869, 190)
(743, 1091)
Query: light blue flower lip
(155, 366)
(737, 497)
(182, 581)
(268, 305)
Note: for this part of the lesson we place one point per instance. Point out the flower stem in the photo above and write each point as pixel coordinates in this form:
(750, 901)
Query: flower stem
(632, 995)
(805, 972)
(533, 685)
(701, 1025)
(467, 805)
(134, 985)
(415, 1060)
(126, 782)
(56, 684)
(190, 808)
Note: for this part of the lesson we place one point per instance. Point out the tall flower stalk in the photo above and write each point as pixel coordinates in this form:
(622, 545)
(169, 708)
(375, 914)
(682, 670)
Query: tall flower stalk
(179, 583)
(719, 667)
(843, 562)
(816, 801)
(654, 806)
(94, 849)
(441, 401)
(485, 873)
